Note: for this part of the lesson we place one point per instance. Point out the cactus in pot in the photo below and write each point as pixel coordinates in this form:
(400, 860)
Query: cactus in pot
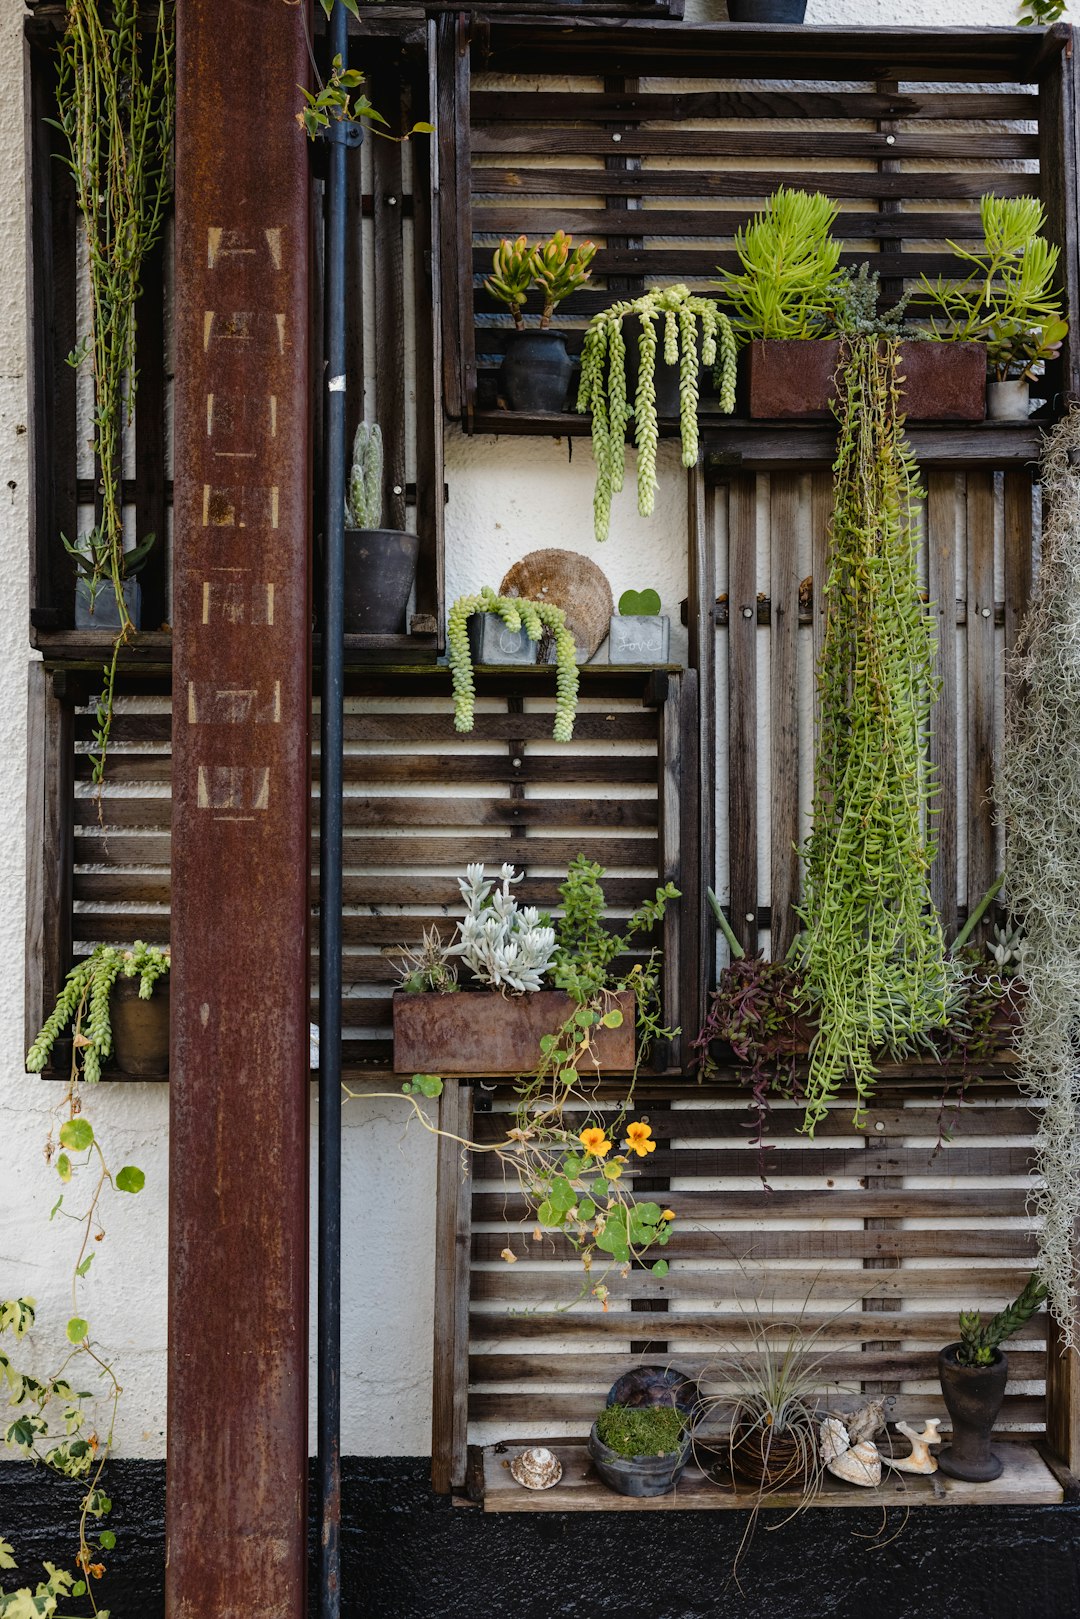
(380, 563)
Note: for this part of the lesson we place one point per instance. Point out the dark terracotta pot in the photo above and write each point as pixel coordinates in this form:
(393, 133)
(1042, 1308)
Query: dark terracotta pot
(380, 566)
(140, 1029)
(645, 1386)
(795, 380)
(487, 1033)
(536, 371)
(766, 11)
(973, 1396)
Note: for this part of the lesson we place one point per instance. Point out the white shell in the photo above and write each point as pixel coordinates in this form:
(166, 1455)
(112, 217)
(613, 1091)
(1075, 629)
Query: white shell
(867, 1422)
(920, 1459)
(537, 1469)
(834, 1439)
(859, 1465)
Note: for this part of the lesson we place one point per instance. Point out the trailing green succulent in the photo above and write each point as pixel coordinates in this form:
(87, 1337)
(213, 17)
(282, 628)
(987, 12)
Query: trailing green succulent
(603, 387)
(516, 613)
(1007, 299)
(855, 308)
(978, 1343)
(872, 955)
(363, 502)
(84, 1003)
(788, 282)
(642, 1430)
(555, 266)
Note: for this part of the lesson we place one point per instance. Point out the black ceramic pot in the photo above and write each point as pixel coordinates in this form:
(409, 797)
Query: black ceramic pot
(647, 1475)
(973, 1396)
(380, 566)
(536, 370)
(766, 11)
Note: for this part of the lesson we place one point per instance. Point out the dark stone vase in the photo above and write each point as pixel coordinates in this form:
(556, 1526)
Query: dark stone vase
(140, 1028)
(536, 371)
(380, 566)
(973, 1396)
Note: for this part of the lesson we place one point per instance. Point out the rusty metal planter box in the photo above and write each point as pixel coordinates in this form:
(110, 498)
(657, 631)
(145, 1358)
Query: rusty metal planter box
(489, 1033)
(794, 380)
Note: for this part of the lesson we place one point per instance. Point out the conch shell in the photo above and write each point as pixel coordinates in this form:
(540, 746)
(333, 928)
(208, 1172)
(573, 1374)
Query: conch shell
(856, 1464)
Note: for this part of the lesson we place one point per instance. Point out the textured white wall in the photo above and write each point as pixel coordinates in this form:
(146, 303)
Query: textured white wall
(506, 496)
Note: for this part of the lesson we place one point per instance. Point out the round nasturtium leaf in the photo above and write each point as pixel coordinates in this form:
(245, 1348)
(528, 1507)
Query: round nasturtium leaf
(77, 1329)
(130, 1179)
(77, 1134)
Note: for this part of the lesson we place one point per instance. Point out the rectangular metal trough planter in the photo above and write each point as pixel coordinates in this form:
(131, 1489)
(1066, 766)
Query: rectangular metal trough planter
(488, 1033)
(795, 380)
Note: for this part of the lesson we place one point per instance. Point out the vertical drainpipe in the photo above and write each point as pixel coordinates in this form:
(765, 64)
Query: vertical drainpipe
(236, 1522)
(340, 136)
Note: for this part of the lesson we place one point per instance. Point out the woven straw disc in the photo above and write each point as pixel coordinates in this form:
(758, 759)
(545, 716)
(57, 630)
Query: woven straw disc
(573, 583)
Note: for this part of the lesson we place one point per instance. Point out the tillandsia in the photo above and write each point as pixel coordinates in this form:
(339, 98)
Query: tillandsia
(516, 613)
(872, 955)
(555, 266)
(363, 501)
(979, 1342)
(788, 282)
(603, 388)
(1037, 789)
(428, 967)
(115, 108)
(83, 1003)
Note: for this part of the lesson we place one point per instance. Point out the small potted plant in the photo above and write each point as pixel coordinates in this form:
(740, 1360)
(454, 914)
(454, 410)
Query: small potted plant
(536, 369)
(96, 608)
(380, 563)
(486, 628)
(642, 1439)
(973, 1375)
(639, 632)
(116, 1003)
(611, 396)
(1007, 300)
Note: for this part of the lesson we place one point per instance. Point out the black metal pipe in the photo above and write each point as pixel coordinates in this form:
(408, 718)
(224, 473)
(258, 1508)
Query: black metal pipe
(330, 863)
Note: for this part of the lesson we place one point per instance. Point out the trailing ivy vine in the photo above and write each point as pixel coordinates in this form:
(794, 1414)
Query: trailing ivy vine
(115, 102)
(873, 955)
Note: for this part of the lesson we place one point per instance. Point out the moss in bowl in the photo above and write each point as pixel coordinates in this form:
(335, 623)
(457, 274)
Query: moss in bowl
(640, 1450)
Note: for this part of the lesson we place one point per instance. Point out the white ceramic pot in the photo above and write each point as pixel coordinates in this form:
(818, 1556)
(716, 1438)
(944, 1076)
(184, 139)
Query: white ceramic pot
(1008, 401)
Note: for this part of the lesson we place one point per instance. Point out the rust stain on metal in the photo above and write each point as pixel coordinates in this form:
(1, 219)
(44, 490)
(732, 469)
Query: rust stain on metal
(237, 1452)
(497, 1034)
(790, 380)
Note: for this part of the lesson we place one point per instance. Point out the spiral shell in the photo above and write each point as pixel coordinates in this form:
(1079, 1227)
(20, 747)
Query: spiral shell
(537, 1469)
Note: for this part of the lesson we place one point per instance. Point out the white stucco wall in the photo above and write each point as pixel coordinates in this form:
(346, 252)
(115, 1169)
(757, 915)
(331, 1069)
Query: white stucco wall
(506, 496)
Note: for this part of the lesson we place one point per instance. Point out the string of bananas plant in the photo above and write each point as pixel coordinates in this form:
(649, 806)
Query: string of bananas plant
(115, 103)
(872, 955)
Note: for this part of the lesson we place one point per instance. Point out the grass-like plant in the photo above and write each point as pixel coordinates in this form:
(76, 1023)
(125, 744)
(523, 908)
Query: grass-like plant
(872, 954)
(649, 1430)
(979, 1341)
(789, 257)
(516, 613)
(1037, 789)
(603, 388)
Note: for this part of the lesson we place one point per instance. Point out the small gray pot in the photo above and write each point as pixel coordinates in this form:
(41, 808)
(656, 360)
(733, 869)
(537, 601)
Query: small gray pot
(104, 613)
(633, 638)
(638, 1475)
(1008, 401)
(490, 641)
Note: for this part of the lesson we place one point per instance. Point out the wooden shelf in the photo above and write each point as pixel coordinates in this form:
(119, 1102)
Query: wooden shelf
(1026, 1481)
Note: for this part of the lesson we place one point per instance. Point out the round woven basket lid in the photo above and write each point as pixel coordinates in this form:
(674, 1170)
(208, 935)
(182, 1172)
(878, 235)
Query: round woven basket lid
(573, 583)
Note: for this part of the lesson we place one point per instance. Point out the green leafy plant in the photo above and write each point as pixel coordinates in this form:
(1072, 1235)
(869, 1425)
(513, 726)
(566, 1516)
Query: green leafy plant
(787, 286)
(515, 612)
(979, 1342)
(650, 1430)
(603, 387)
(428, 967)
(363, 502)
(872, 956)
(93, 559)
(1040, 13)
(115, 109)
(855, 310)
(46, 1594)
(339, 99)
(639, 603)
(1007, 298)
(83, 1003)
(555, 266)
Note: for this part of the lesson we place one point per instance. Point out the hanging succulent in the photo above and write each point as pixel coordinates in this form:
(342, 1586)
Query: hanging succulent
(873, 955)
(1037, 792)
(603, 388)
(516, 613)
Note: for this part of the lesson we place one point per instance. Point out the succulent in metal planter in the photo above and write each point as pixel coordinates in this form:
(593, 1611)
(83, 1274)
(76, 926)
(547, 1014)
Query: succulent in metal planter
(638, 632)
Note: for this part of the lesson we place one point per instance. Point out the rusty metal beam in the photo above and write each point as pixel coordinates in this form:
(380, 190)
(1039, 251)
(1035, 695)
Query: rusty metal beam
(238, 1331)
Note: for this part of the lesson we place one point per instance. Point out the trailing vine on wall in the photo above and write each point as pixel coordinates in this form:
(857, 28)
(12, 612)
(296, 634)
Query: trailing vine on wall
(1037, 792)
(873, 955)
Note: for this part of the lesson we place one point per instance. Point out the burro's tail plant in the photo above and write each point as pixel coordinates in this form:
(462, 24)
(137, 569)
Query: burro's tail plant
(516, 613)
(788, 282)
(603, 390)
(979, 1343)
(872, 954)
(363, 502)
(83, 1003)
(555, 266)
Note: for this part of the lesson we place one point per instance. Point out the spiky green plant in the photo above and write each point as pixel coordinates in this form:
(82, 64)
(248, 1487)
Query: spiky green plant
(786, 287)
(872, 954)
(83, 1003)
(979, 1343)
(515, 612)
(602, 390)
(363, 503)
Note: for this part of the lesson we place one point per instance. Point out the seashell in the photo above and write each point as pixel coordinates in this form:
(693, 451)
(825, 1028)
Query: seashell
(536, 1469)
(859, 1465)
(834, 1439)
(867, 1422)
(920, 1459)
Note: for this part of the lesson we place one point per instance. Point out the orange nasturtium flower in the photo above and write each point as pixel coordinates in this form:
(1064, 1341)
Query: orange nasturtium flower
(595, 1142)
(637, 1139)
(667, 1214)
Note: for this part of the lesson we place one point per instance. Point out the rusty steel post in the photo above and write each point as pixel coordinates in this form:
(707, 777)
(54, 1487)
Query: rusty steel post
(238, 1202)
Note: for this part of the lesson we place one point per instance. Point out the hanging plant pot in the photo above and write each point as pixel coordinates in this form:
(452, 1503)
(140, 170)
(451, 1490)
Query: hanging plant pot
(795, 380)
(492, 641)
(380, 567)
(98, 611)
(767, 11)
(536, 371)
(487, 1033)
(1008, 401)
(140, 1029)
(973, 1396)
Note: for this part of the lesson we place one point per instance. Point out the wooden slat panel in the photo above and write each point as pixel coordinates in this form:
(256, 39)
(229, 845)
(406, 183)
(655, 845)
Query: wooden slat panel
(824, 1204)
(765, 102)
(601, 1367)
(974, 1120)
(994, 1242)
(618, 1323)
(533, 1410)
(929, 186)
(450, 1368)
